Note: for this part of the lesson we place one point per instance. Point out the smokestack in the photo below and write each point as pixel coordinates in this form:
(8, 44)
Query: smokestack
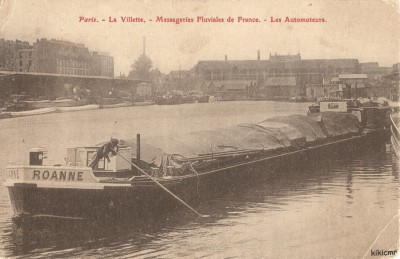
(226, 57)
(258, 54)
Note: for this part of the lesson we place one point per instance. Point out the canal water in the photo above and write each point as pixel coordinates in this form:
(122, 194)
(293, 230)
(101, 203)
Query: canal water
(340, 208)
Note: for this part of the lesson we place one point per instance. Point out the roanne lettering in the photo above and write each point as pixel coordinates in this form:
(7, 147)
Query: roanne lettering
(57, 175)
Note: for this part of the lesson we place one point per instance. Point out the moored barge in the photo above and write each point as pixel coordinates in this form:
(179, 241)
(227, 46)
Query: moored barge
(189, 165)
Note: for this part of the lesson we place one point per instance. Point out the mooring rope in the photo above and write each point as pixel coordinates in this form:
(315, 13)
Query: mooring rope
(198, 178)
(162, 186)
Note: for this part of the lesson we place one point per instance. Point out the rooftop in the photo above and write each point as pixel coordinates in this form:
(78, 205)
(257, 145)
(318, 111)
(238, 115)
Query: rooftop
(270, 64)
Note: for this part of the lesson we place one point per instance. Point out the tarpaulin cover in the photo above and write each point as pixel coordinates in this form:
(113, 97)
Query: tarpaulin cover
(156, 150)
(308, 127)
(287, 133)
(337, 124)
(271, 134)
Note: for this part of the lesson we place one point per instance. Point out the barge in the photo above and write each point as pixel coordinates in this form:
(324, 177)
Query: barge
(190, 165)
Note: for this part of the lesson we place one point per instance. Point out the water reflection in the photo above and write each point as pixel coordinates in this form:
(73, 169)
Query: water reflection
(40, 235)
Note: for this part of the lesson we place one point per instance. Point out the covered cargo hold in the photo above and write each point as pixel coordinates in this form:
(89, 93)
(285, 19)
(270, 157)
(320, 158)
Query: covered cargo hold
(239, 138)
(264, 136)
(293, 132)
(308, 127)
(287, 133)
(337, 124)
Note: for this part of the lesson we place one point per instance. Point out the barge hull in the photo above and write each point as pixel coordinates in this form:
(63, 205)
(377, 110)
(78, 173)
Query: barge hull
(110, 202)
(113, 201)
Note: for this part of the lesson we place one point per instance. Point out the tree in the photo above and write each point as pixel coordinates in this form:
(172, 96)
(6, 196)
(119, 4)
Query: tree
(140, 69)
(155, 74)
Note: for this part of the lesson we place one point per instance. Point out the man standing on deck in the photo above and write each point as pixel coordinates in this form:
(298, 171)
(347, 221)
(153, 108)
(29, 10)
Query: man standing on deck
(103, 152)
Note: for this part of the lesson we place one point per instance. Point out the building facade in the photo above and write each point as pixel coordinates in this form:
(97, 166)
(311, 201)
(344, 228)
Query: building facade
(24, 60)
(266, 73)
(54, 57)
(12, 54)
(62, 57)
(349, 86)
(374, 71)
(280, 88)
(102, 64)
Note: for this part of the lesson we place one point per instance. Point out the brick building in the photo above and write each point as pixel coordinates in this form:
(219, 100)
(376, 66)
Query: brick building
(54, 57)
(62, 57)
(13, 53)
(24, 60)
(103, 64)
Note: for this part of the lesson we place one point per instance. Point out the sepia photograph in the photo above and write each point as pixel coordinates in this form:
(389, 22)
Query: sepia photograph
(199, 129)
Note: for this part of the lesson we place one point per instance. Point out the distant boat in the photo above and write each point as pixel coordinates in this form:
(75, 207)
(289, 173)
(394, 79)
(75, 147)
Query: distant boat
(33, 112)
(109, 101)
(169, 99)
(117, 105)
(56, 103)
(188, 99)
(143, 103)
(78, 108)
(5, 115)
(203, 99)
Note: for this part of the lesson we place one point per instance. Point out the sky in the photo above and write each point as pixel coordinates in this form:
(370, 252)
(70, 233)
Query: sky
(367, 30)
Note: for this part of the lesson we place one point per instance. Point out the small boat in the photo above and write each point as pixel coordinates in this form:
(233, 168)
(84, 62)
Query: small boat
(56, 103)
(169, 99)
(5, 115)
(202, 98)
(198, 96)
(16, 107)
(108, 101)
(188, 99)
(78, 108)
(33, 112)
(144, 103)
(117, 105)
(189, 165)
(395, 128)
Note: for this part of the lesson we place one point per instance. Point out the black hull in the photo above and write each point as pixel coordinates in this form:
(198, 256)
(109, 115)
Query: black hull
(169, 100)
(248, 173)
(111, 202)
(142, 201)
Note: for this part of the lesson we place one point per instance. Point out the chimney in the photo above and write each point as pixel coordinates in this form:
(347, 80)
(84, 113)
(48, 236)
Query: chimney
(258, 54)
(226, 57)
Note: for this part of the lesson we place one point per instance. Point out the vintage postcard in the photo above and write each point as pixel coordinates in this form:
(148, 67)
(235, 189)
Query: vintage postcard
(199, 129)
